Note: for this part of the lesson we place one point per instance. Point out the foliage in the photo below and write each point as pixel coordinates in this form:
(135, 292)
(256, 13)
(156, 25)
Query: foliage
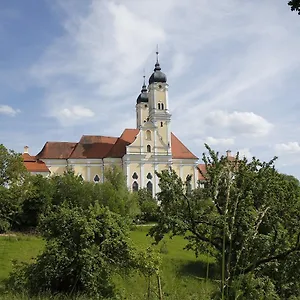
(12, 168)
(37, 201)
(247, 216)
(12, 176)
(83, 249)
(148, 206)
(295, 5)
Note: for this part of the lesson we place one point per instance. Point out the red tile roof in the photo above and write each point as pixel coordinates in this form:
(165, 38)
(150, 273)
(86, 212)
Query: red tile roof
(34, 165)
(119, 149)
(92, 146)
(56, 150)
(179, 150)
(105, 146)
(202, 168)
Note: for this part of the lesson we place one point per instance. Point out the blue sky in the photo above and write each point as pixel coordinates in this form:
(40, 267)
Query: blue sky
(72, 67)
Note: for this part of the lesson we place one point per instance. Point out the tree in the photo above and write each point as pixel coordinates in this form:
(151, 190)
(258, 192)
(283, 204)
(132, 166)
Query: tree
(148, 206)
(84, 248)
(12, 168)
(12, 177)
(295, 5)
(247, 216)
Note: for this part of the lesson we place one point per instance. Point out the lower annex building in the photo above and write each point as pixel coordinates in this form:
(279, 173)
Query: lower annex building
(141, 151)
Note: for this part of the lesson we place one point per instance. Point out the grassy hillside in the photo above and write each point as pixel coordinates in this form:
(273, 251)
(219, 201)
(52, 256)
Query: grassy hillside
(182, 274)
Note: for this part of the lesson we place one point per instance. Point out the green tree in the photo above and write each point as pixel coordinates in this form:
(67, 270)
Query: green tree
(84, 248)
(12, 168)
(295, 5)
(247, 216)
(12, 189)
(37, 201)
(148, 206)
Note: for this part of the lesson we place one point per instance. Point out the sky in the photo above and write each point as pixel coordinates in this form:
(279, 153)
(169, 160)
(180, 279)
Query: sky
(73, 67)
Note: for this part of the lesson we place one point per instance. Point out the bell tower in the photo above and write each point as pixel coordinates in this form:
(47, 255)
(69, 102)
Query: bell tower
(159, 107)
(142, 106)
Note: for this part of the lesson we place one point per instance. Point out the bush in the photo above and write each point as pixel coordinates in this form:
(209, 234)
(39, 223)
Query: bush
(83, 249)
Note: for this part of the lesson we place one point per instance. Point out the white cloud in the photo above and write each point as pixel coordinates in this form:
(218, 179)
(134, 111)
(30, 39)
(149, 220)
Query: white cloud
(288, 148)
(245, 152)
(77, 112)
(247, 123)
(8, 110)
(219, 141)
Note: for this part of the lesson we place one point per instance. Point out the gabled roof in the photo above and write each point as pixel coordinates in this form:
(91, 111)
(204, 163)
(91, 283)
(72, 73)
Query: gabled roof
(93, 146)
(56, 150)
(119, 149)
(179, 151)
(34, 165)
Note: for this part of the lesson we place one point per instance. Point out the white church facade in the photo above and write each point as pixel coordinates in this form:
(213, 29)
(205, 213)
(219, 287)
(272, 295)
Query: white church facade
(140, 152)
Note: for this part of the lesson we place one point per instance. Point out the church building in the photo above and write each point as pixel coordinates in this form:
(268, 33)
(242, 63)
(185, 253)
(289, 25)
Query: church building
(140, 151)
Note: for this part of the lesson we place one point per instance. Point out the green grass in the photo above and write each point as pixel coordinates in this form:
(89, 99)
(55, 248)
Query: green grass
(182, 274)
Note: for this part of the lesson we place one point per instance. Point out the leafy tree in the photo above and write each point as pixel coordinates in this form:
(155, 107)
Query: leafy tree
(295, 5)
(12, 188)
(247, 216)
(12, 168)
(83, 249)
(37, 201)
(148, 206)
(114, 193)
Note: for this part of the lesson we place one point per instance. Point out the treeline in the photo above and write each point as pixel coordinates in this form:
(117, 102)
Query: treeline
(24, 198)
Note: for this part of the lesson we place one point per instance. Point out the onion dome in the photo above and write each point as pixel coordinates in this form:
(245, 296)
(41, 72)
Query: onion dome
(157, 75)
(143, 96)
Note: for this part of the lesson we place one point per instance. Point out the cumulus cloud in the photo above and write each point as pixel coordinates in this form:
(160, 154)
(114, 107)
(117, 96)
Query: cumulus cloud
(288, 148)
(8, 110)
(219, 141)
(247, 123)
(245, 152)
(77, 112)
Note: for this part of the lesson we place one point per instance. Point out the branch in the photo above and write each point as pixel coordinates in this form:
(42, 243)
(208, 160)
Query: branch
(279, 256)
(193, 229)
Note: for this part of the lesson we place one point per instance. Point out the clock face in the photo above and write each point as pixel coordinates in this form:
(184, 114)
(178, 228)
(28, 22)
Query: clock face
(160, 87)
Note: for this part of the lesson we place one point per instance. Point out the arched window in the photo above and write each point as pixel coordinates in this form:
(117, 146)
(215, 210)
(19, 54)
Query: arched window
(148, 135)
(96, 178)
(148, 148)
(149, 186)
(161, 124)
(135, 186)
(158, 105)
(162, 106)
(135, 176)
(149, 176)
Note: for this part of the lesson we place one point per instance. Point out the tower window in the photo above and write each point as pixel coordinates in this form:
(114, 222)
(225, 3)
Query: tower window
(135, 176)
(148, 135)
(146, 105)
(149, 176)
(162, 106)
(161, 124)
(158, 105)
(96, 178)
(135, 186)
(148, 148)
(150, 186)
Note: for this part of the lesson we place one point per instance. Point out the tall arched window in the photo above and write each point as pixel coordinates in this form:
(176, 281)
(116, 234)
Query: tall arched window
(96, 178)
(148, 148)
(149, 187)
(135, 186)
(148, 135)
(158, 105)
(162, 106)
